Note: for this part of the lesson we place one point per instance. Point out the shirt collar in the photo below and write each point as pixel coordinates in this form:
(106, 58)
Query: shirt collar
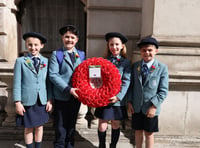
(118, 56)
(31, 56)
(70, 51)
(149, 64)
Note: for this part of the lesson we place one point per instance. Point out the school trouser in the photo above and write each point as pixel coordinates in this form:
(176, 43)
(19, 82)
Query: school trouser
(65, 116)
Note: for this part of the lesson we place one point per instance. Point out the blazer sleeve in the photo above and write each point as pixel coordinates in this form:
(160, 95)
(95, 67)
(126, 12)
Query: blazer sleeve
(130, 89)
(49, 87)
(162, 87)
(17, 81)
(126, 78)
(54, 74)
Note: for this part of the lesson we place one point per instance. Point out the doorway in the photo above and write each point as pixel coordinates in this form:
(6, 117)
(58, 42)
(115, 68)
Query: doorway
(46, 17)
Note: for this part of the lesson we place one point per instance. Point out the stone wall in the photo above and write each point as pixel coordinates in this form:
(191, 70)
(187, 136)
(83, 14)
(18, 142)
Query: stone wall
(8, 31)
(113, 15)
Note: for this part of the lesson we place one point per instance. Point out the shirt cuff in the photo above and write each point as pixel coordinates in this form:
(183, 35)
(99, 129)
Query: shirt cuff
(67, 89)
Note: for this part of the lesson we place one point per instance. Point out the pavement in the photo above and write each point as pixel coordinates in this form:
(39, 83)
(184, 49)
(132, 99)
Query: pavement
(85, 140)
(94, 144)
(86, 137)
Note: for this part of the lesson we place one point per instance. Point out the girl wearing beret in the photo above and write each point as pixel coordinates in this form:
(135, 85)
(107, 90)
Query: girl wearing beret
(30, 90)
(116, 110)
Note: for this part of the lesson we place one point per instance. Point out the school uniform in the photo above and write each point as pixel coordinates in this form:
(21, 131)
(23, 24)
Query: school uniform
(66, 107)
(152, 91)
(31, 90)
(117, 111)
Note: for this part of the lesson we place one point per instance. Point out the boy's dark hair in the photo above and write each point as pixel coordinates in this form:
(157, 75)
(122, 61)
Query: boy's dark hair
(70, 28)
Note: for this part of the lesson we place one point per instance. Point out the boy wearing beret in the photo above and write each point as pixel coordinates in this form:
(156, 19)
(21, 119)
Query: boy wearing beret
(148, 90)
(66, 105)
(30, 89)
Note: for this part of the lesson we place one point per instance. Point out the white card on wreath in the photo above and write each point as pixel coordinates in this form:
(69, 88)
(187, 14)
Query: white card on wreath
(95, 71)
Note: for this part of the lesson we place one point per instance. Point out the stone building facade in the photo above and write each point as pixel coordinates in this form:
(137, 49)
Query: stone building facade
(175, 24)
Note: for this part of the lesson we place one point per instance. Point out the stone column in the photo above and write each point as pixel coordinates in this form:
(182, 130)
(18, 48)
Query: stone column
(81, 121)
(8, 54)
(8, 31)
(6, 76)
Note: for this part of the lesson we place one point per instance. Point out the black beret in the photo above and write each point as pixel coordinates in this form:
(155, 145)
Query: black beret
(70, 28)
(36, 35)
(116, 34)
(148, 40)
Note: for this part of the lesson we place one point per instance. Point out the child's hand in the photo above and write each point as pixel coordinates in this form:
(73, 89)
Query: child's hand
(73, 92)
(151, 112)
(49, 106)
(130, 108)
(113, 99)
(19, 108)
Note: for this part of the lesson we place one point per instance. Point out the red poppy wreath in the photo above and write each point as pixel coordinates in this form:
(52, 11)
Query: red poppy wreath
(96, 96)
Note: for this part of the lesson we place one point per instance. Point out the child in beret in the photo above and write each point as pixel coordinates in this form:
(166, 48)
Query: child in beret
(61, 68)
(30, 90)
(148, 90)
(116, 110)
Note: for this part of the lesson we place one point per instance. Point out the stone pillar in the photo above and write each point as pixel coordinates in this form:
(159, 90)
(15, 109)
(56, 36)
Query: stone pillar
(3, 100)
(8, 54)
(81, 121)
(8, 31)
(6, 76)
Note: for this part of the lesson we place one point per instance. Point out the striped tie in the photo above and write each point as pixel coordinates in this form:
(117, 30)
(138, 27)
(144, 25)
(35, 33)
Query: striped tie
(145, 72)
(36, 62)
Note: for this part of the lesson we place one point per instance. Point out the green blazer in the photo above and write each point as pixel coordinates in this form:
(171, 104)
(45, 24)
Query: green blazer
(28, 84)
(154, 90)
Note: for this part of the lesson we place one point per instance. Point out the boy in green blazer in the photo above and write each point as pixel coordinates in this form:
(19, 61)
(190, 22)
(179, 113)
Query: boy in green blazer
(66, 105)
(30, 90)
(148, 89)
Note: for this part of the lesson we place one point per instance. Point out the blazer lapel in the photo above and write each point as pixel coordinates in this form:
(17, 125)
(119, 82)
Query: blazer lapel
(139, 71)
(77, 59)
(28, 62)
(42, 64)
(151, 71)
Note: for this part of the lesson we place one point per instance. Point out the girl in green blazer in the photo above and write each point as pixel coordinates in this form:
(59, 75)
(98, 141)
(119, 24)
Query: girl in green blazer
(30, 90)
(116, 110)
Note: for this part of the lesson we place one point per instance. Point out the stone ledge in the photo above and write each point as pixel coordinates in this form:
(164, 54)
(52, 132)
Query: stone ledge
(6, 69)
(185, 81)
(179, 41)
(3, 3)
